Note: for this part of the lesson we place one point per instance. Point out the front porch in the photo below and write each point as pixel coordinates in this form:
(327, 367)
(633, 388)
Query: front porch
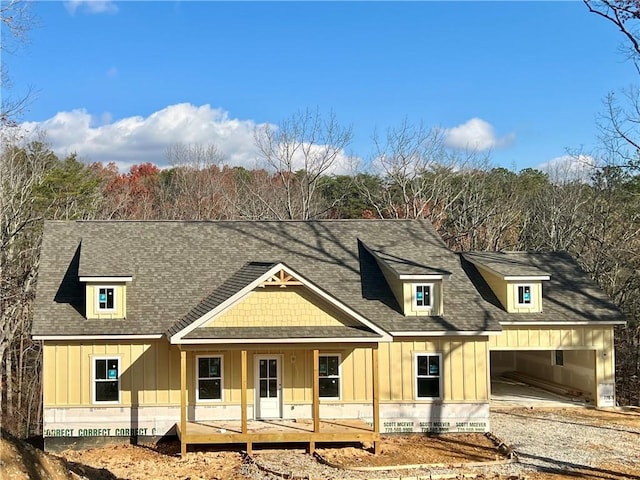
(250, 431)
(278, 431)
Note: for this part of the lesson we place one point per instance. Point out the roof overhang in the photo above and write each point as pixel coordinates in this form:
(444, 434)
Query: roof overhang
(441, 333)
(105, 279)
(98, 337)
(178, 337)
(421, 277)
(594, 323)
(271, 341)
(526, 278)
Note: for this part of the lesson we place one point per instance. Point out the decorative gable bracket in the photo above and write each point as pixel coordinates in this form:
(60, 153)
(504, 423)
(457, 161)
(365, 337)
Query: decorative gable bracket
(281, 279)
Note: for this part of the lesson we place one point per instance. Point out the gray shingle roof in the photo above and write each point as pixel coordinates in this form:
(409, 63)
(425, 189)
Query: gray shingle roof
(506, 263)
(569, 296)
(280, 332)
(181, 269)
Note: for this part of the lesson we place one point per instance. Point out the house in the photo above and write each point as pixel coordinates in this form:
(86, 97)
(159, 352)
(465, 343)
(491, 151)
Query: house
(321, 331)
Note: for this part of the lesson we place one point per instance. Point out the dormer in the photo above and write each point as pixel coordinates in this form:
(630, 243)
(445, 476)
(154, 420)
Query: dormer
(106, 297)
(418, 288)
(516, 283)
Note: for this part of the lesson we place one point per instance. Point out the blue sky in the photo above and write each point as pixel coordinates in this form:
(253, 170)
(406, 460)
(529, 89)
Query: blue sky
(119, 81)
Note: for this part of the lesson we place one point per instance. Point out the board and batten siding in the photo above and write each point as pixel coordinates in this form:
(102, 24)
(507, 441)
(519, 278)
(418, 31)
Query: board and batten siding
(150, 372)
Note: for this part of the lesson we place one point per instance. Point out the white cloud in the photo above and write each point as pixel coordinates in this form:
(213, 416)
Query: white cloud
(135, 140)
(91, 6)
(568, 168)
(476, 134)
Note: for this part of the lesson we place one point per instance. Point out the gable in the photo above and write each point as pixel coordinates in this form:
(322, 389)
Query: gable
(281, 307)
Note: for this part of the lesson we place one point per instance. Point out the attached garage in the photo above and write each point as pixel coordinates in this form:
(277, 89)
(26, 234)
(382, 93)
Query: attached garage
(576, 361)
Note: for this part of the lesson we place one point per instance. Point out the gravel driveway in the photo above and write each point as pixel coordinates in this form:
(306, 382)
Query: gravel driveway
(552, 444)
(597, 444)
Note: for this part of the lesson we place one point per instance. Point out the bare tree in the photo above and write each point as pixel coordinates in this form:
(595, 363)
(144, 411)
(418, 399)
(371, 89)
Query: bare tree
(22, 169)
(623, 14)
(299, 152)
(16, 20)
(416, 170)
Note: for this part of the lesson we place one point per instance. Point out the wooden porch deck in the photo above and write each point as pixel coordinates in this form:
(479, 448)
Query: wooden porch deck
(278, 431)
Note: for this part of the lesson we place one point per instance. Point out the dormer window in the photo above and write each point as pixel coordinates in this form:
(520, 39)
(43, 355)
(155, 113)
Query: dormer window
(106, 298)
(525, 295)
(423, 296)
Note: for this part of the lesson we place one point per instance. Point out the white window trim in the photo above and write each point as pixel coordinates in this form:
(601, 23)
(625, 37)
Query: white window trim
(197, 378)
(115, 299)
(94, 380)
(531, 290)
(329, 354)
(414, 300)
(415, 375)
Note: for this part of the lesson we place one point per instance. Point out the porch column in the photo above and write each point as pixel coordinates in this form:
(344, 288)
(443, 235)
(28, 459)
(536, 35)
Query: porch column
(183, 403)
(376, 396)
(316, 391)
(243, 389)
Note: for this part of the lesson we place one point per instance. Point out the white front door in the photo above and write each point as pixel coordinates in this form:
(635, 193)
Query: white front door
(268, 386)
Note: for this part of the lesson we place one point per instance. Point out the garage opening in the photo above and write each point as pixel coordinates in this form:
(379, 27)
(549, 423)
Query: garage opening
(543, 377)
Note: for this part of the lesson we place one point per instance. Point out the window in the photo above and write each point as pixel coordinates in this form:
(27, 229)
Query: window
(422, 296)
(558, 358)
(525, 297)
(209, 378)
(329, 373)
(106, 379)
(106, 298)
(428, 375)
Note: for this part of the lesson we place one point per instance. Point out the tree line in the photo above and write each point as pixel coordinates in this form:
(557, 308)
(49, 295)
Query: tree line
(474, 206)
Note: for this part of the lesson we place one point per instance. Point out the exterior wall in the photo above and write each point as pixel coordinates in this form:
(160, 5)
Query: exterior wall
(150, 386)
(497, 285)
(394, 283)
(506, 291)
(281, 307)
(512, 297)
(584, 347)
(438, 303)
(120, 300)
(403, 291)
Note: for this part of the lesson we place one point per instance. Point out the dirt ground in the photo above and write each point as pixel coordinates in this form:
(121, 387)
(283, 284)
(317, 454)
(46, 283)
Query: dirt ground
(19, 461)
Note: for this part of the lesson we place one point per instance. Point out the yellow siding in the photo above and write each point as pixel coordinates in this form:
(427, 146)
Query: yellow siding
(394, 283)
(120, 300)
(464, 368)
(512, 297)
(281, 307)
(150, 371)
(497, 285)
(437, 301)
(147, 376)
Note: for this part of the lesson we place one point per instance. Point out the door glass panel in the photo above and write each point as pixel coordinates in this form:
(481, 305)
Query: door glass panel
(263, 369)
(273, 368)
(273, 388)
(263, 389)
